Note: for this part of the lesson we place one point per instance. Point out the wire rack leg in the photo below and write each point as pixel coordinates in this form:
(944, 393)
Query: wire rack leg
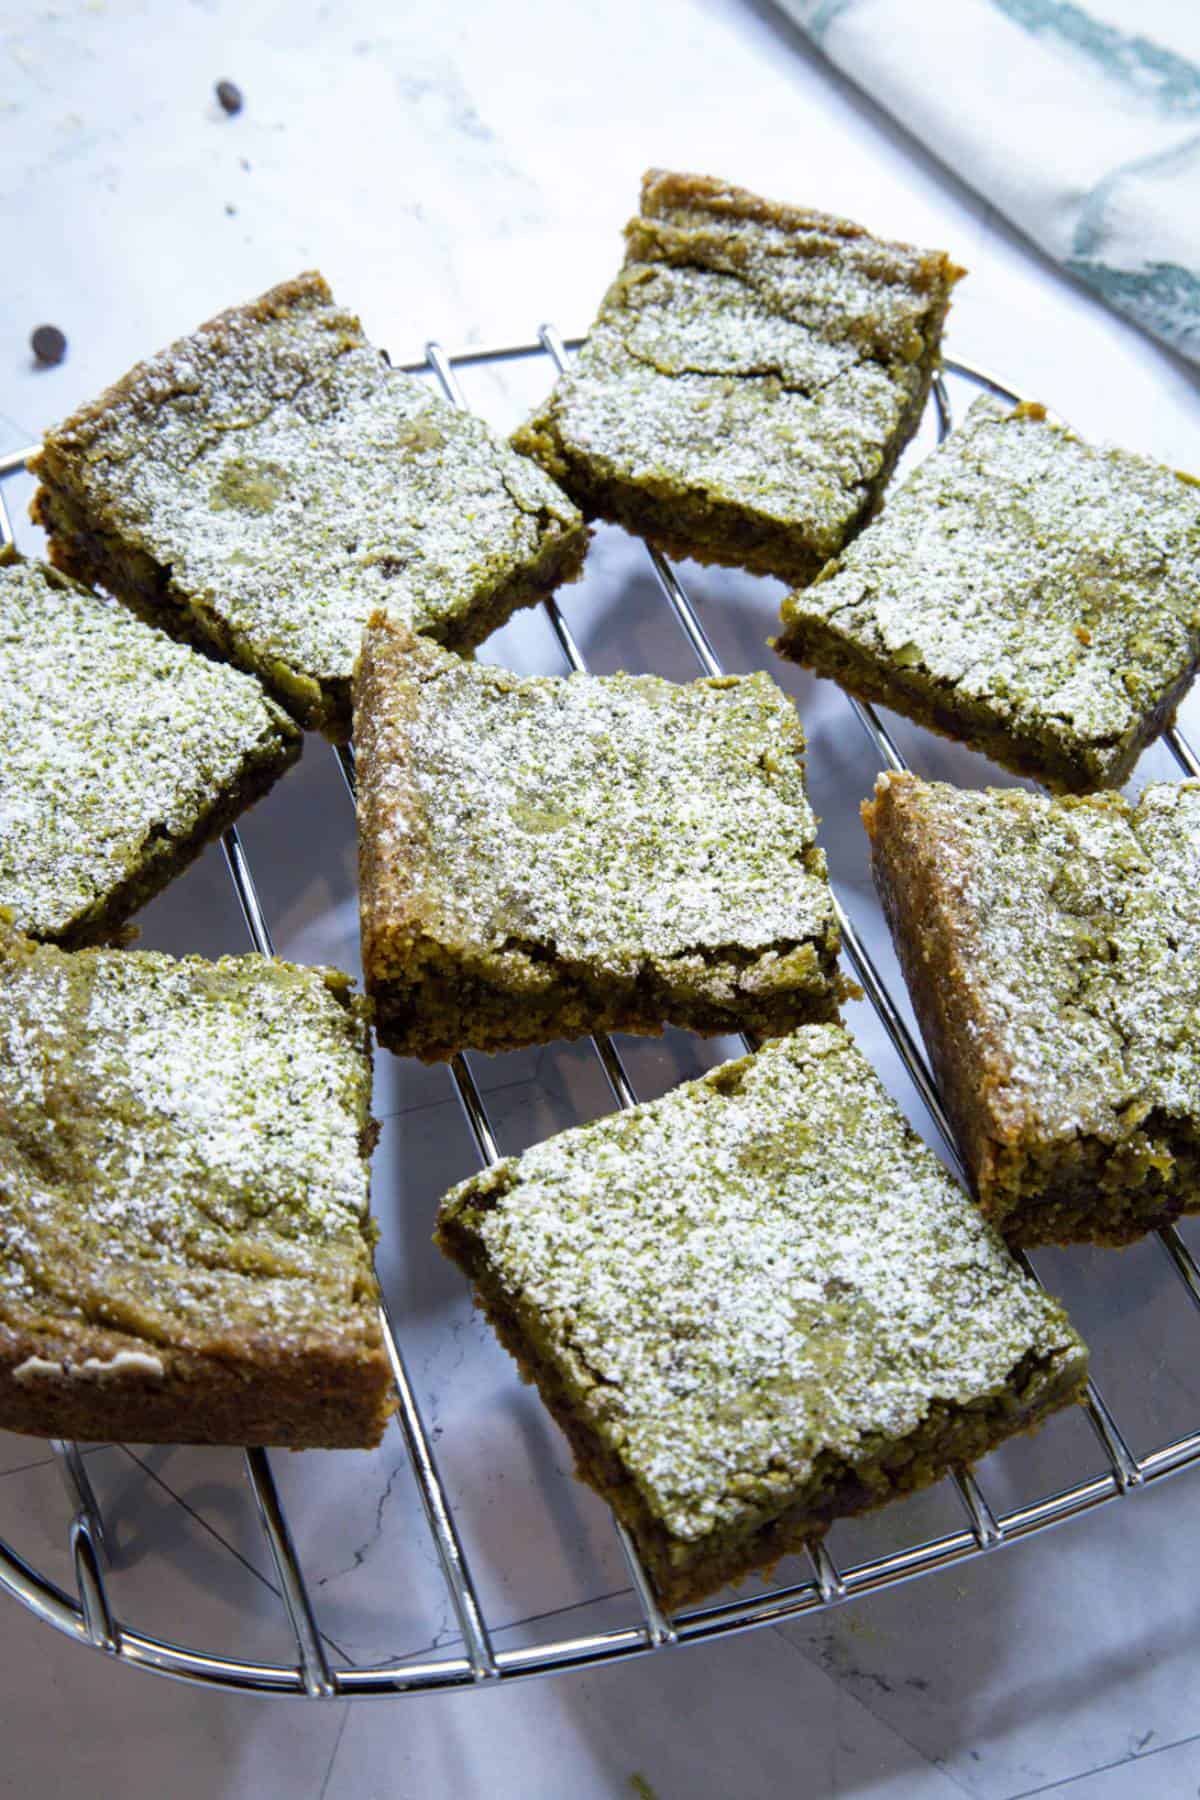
(89, 1548)
(93, 1596)
(81, 1493)
(984, 1526)
(314, 1665)
(826, 1573)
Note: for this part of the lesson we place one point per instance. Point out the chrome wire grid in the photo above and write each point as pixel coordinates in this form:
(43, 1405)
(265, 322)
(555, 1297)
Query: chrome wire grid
(88, 1614)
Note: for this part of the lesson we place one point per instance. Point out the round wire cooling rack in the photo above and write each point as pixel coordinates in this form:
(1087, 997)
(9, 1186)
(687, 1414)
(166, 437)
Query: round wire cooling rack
(316, 1671)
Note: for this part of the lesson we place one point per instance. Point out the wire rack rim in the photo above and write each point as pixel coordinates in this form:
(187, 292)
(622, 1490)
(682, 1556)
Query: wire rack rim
(59, 1609)
(88, 1618)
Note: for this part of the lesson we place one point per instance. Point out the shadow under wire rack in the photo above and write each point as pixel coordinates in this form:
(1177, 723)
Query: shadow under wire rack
(88, 1614)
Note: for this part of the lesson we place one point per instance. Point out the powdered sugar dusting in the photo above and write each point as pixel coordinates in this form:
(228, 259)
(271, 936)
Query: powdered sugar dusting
(114, 738)
(763, 1267)
(1034, 582)
(1081, 929)
(181, 1146)
(769, 362)
(293, 484)
(609, 820)
(791, 456)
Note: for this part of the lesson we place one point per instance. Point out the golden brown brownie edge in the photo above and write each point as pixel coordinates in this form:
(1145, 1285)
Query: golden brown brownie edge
(1051, 948)
(542, 857)
(124, 754)
(751, 378)
(756, 1305)
(264, 485)
(184, 1155)
(1023, 591)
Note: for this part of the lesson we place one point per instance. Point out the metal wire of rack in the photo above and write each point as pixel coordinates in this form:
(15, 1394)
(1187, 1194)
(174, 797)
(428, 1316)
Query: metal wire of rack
(88, 1615)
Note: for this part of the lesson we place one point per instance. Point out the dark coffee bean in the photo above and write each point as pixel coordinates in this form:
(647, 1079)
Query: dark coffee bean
(48, 344)
(230, 96)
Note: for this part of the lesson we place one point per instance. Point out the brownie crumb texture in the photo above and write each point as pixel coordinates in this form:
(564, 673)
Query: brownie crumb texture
(751, 378)
(757, 1303)
(266, 484)
(544, 856)
(1053, 951)
(1035, 596)
(124, 753)
(186, 1244)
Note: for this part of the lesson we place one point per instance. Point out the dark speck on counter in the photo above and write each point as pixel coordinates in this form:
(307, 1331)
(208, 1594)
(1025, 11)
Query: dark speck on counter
(48, 344)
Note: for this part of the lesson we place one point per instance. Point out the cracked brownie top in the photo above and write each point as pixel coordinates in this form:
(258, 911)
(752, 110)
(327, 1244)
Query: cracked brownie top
(750, 356)
(759, 1272)
(184, 1150)
(1029, 583)
(118, 745)
(606, 821)
(1079, 929)
(290, 483)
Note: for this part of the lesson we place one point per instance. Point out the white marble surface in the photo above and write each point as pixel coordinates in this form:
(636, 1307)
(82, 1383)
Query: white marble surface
(466, 176)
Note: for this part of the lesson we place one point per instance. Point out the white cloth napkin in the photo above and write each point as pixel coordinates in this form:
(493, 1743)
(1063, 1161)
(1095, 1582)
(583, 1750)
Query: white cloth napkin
(1081, 122)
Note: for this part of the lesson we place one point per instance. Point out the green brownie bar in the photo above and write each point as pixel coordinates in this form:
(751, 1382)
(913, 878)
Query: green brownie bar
(266, 484)
(754, 372)
(124, 753)
(1030, 594)
(542, 857)
(1052, 949)
(757, 1305)
(184, 1156)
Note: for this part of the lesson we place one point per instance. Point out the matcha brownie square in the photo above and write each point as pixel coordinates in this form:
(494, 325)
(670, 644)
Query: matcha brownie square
(1052, 949)
(542, 857)
(183, 1201)
(265, 484)
(756, 1305)
(753, 374)
(1030, 594)
(123, 754)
